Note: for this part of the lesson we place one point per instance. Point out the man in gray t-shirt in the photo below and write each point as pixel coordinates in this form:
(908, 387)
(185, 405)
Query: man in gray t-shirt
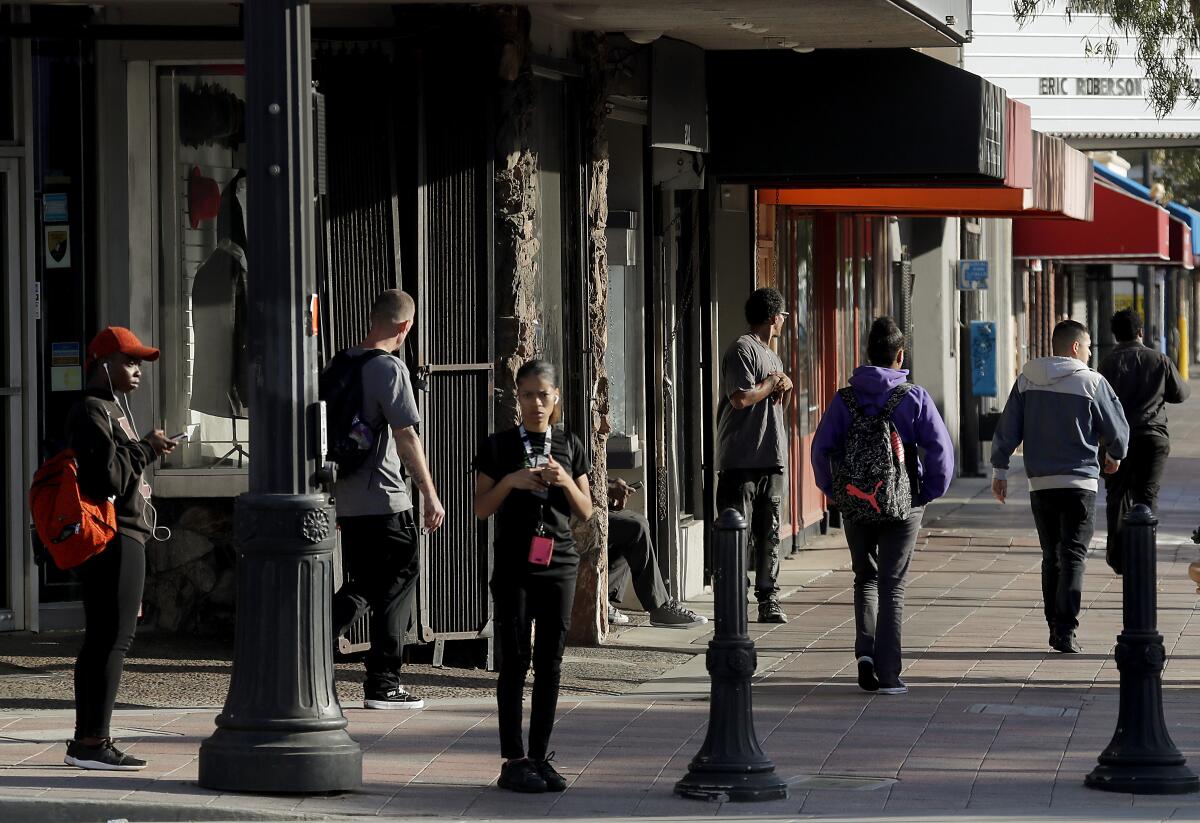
(374, 512)
(752, 441)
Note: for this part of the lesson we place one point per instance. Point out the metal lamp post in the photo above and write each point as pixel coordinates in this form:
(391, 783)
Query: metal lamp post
(282, 729)
(731, 763)
(1141, 758)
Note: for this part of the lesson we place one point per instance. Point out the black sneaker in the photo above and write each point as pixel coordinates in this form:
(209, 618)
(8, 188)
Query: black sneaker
(867, 681)
(397, 698)
(769, 611)
(1066, 643)
(104, 756)
(555, 782)
(521, 776)
(895, 688)
(674, 615)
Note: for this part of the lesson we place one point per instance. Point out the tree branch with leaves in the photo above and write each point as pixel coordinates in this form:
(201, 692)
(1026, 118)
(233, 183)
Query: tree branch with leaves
(1163, 32)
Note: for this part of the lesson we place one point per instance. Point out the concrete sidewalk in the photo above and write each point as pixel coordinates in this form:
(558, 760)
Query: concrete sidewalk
(994, 727)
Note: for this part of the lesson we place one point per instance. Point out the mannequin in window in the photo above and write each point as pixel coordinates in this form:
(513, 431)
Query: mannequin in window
(220, 375)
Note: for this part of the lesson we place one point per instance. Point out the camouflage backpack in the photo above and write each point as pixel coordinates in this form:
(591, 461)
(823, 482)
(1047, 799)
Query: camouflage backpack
(871, 483)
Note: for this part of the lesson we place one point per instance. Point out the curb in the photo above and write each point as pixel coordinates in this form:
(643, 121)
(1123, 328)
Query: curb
(39, 810)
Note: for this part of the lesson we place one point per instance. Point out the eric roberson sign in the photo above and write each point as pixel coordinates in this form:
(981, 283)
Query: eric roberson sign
(1091, 86)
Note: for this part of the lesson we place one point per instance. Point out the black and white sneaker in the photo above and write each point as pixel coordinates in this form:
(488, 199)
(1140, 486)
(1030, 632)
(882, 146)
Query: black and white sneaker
(674, 615)
(104, 756)
(397, 698)
(769, 611)
(895, 688)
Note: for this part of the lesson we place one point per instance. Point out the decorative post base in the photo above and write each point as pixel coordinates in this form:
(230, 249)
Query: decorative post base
(1141, 757)
(731, 765)
(1137, 778)
(282, 729)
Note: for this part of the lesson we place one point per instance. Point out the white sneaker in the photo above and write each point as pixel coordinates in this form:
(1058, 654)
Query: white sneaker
(616, 617)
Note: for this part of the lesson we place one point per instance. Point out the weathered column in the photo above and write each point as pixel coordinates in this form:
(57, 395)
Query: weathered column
(282, 729)
(589, 620)
(516, 211)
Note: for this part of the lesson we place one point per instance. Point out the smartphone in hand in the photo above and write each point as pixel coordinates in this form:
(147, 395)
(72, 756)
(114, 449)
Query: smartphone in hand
(188, 433)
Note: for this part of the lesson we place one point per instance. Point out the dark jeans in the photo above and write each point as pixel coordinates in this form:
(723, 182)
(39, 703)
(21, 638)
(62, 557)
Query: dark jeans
(379, 555)
(631, 555)
(1137, 481)
(518, 604)
(757, 495)
(1065, 520)
(880, 554)
(112, 593)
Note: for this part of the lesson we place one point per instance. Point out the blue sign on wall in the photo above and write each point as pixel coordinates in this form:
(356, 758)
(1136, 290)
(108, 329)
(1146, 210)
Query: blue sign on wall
(983, 358)
(972, 274)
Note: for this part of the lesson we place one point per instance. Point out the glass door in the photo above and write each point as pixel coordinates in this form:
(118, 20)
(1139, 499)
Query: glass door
(12, 397)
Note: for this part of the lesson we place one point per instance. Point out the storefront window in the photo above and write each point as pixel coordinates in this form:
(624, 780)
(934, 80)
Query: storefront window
(203, 265)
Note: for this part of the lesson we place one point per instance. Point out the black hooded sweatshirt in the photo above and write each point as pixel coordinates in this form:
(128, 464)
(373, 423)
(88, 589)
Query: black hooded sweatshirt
(111, 459)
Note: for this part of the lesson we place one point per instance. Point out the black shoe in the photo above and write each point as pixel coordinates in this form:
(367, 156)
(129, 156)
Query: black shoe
(769, 611)
(104, 756)
(521, 776)
(397, 698)
(555, 782)
(1066, 644)
(867, 681)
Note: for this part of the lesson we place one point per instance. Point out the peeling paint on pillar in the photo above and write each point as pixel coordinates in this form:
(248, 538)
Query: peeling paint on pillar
(516, 192)
(589, 619)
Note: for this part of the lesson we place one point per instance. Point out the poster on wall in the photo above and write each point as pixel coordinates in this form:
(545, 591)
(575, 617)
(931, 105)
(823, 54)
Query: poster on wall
(58, 247)
(54, 207)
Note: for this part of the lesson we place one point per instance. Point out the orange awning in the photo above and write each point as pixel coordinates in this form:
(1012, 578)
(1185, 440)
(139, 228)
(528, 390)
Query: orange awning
(1061, 187)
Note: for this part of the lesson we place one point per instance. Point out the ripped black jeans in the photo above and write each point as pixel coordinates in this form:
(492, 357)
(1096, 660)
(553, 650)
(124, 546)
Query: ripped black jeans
(757, 494)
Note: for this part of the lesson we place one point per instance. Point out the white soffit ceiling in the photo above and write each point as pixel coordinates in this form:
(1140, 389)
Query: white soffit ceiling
(710, 24)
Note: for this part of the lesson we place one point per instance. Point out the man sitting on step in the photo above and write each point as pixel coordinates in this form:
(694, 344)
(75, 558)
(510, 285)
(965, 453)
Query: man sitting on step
(631, 555)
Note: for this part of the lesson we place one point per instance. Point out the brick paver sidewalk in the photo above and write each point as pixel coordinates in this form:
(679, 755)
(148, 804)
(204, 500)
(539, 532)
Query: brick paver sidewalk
(994, 726)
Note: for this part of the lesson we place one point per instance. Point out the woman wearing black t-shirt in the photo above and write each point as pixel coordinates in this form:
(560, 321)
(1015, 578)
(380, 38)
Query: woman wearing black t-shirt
(533, 478)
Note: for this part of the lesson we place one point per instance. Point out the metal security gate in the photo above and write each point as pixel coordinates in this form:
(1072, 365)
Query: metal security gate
(455, 344)
(358, 242)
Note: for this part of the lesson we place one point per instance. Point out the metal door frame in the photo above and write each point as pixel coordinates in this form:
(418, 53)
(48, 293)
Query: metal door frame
(18, 397)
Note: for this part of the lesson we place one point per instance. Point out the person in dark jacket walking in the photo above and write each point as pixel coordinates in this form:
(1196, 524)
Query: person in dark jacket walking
(880, 552)
(111, 460)
(1145, 381)
(1064, 413)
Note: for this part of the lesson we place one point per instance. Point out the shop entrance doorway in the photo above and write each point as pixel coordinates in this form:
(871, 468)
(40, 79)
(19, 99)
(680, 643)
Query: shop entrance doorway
(12, 401)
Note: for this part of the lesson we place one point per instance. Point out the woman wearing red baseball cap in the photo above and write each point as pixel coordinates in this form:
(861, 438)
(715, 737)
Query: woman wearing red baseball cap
(111, 460)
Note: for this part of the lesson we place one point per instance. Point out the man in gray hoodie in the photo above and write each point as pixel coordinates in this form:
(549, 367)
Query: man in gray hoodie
(1063, 412)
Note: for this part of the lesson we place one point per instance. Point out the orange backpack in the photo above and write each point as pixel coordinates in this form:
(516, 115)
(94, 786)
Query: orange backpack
(70, 526)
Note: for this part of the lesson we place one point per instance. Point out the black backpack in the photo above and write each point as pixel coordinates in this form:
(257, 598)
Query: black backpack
(871, 483)
(351, 439)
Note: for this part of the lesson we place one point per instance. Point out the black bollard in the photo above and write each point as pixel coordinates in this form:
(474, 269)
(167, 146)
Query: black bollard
(1141, 758)
(731, 764)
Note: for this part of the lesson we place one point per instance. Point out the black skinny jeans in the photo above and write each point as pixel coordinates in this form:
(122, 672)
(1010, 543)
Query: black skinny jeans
(380, 556)
(757, 495)
(518, 604)
(112, 593)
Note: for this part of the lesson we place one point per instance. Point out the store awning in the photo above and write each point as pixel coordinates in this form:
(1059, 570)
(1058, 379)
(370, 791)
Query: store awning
(869, 117)
(1060, 187)
(1182, 240)
(1180, 213)
(1124, 228)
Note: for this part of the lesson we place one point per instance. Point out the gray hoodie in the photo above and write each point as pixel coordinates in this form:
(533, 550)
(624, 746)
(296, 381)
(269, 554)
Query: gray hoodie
(1063, 412)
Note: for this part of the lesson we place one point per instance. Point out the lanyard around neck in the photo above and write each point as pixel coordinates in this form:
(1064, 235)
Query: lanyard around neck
(529, 446)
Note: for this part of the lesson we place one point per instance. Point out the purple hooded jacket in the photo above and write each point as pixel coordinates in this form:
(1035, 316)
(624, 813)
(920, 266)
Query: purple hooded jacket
(916, 418)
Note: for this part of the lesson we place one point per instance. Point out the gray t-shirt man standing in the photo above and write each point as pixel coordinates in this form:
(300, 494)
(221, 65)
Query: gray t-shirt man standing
(375, 514)
(752, 441)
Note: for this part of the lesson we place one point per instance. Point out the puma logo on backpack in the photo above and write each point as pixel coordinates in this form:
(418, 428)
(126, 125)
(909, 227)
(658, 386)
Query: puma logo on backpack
(871, 481)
